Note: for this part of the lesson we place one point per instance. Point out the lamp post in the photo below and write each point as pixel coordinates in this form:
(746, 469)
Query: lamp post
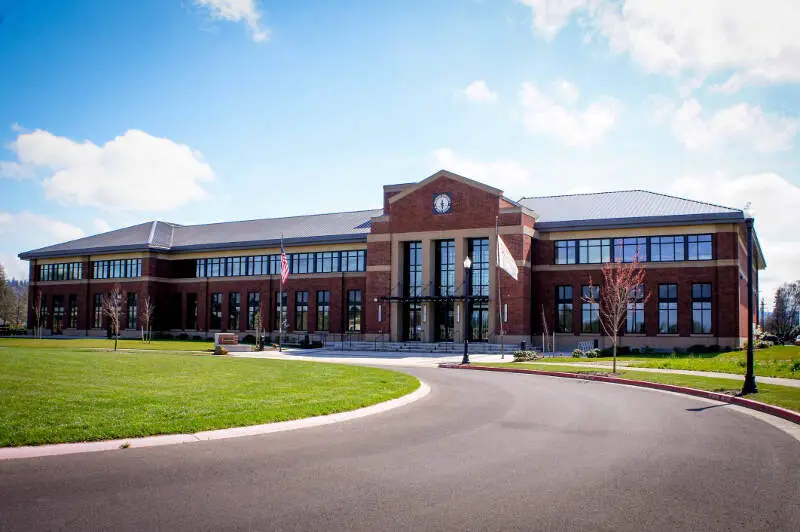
(750, 378)
(467, 283)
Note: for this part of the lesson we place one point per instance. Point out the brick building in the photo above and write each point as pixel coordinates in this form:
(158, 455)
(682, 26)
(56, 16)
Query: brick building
(397, 273)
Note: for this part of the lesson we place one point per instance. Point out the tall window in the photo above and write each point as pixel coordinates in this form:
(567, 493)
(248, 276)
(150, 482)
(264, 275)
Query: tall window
(216, 311)
(253, 308)
(234, 310)
(412, 288)
(590, 313)
(58, 313)
(625, 249)
(635, 314)
(97, 311)
(596, 251)
(323, 310)
(668, 309)
(354, 310)
(191, 311)
(565, 252)
(700, 247)
(701, 308)
(301, 311)
(445, 286)
(281, 299)
(72, 322)
(564, 309)
(133, 301)
(479, 253)
(667, 248)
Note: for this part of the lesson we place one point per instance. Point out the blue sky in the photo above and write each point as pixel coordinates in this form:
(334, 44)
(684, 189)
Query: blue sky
(116, 112)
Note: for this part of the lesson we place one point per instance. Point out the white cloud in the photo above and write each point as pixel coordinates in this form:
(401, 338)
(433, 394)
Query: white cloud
(236, 11)
(742, 124)
(100, 225)
(774, 200)
(14, 170)
(578, 128)
(758, 41)
(505, 174)
(567, 92)
(478, 91)
(23, 231)
(135, 171)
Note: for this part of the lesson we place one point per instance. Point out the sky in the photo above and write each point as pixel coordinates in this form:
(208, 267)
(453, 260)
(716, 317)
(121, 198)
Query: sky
(194, 111)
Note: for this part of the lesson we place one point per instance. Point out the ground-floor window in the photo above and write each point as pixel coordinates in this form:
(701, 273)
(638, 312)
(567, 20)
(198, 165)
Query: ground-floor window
(445, 319)
(668, 309)
(412, 319)
(479, 322)
(191, 311)
(73, 312)
(215, 322)
(253, 308)
(564, 309)
(58, 313)
(354, 310)
(323, 310)
(590, 313)
(280, 309)
(301, 311)
(133, 300)
(97, 311)
(234, 310)
(701, 308)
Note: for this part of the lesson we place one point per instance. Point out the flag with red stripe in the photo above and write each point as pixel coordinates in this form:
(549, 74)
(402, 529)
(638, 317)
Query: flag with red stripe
(284, 266)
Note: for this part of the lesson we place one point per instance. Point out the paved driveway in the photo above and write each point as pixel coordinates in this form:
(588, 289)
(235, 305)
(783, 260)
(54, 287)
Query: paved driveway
(483, 451)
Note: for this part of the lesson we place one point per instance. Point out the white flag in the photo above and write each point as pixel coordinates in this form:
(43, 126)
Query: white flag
(505, 260)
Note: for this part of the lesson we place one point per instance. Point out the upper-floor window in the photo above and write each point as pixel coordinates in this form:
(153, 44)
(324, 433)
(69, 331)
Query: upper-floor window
(65, 271)
(594, 251)
(700, 247)
(479, 252)
(626, 249)
(445, 267)
(353, 261)
(412, 275)
(299, 263)
(565, 252)
(117, 269)
(667, 248)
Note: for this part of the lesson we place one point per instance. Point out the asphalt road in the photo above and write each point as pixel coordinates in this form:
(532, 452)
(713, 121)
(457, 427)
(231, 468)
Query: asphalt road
(484, 451)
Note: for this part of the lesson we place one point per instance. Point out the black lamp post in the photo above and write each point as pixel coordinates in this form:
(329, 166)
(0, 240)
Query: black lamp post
(750, 378)
(467, 283)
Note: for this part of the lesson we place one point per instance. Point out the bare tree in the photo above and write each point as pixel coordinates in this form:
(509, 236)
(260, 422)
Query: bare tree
(6, 298)
(623, 286)
(37, 314)
(112, 309)
(20, 305)
(786, 313)
(146, 315)
(546, 334)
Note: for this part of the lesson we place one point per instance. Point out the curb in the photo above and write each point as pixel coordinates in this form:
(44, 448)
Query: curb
(783, 413)
(60, 449)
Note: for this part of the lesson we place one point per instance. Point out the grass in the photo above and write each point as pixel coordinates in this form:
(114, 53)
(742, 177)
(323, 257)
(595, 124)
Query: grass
(55, 395)
(778, 361)
(103, 343)
(783, 396)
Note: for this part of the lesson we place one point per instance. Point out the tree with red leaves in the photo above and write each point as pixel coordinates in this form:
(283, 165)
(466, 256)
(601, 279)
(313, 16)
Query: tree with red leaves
(623, 287)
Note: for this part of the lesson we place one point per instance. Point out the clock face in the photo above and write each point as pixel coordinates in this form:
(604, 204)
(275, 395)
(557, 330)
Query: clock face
(442, 203)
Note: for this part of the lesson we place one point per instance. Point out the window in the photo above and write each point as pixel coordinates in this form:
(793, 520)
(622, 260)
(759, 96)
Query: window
(596, 251)
(255, 265)
(253, 308)
(565, 252)
(72, 323)
(191, 311)
(590, 313)
(667, 248)
(327, 262)
(275, 264)
(635, 314)
(479, 318)
(117, 269)
(301, 311)
(68, 271)
(97, 311)
(700, 247)
(132, 309)
(412, 287)
(564, 309)
(58, 313)
(354, 310)
(234, 310)
(280, 309)
(445, 286)
(302, 262)
(235, 266)
(216, 311)
(625, 249)
(323, 309)
(701, 308)
(668, 309)
(353, 261)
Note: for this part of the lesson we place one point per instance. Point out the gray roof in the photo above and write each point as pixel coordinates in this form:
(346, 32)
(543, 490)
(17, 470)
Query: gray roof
(337, 227)
(622, 209)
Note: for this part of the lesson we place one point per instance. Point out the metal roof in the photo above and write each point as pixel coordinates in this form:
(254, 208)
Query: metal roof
(622, 209)
(163, 236)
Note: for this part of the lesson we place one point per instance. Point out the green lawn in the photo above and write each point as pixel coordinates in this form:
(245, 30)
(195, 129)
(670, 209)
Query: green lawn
(52, 395)
(103, 343)
(778, 361)
(784, 396)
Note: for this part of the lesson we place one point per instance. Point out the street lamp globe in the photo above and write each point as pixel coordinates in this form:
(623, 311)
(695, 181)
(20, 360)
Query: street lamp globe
(467, 263)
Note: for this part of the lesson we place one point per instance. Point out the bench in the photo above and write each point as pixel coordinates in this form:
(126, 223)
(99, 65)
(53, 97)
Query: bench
(225, 339)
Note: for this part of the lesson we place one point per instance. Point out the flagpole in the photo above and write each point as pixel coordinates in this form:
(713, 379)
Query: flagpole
(280, 303)
(499, 291)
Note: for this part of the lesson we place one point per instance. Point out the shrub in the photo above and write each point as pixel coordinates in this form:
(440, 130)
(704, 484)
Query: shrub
(525, 356)
(183, 336)
(698, 349)
(648, 350)
(249, 339)
(163, 336)
(679, 351)
(220, 350)
(795, 366)
(636, 351)
(593, 353)
(197, 338)
(578, 353)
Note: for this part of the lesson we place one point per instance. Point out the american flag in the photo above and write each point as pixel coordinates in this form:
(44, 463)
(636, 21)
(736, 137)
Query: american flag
(284, 266)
